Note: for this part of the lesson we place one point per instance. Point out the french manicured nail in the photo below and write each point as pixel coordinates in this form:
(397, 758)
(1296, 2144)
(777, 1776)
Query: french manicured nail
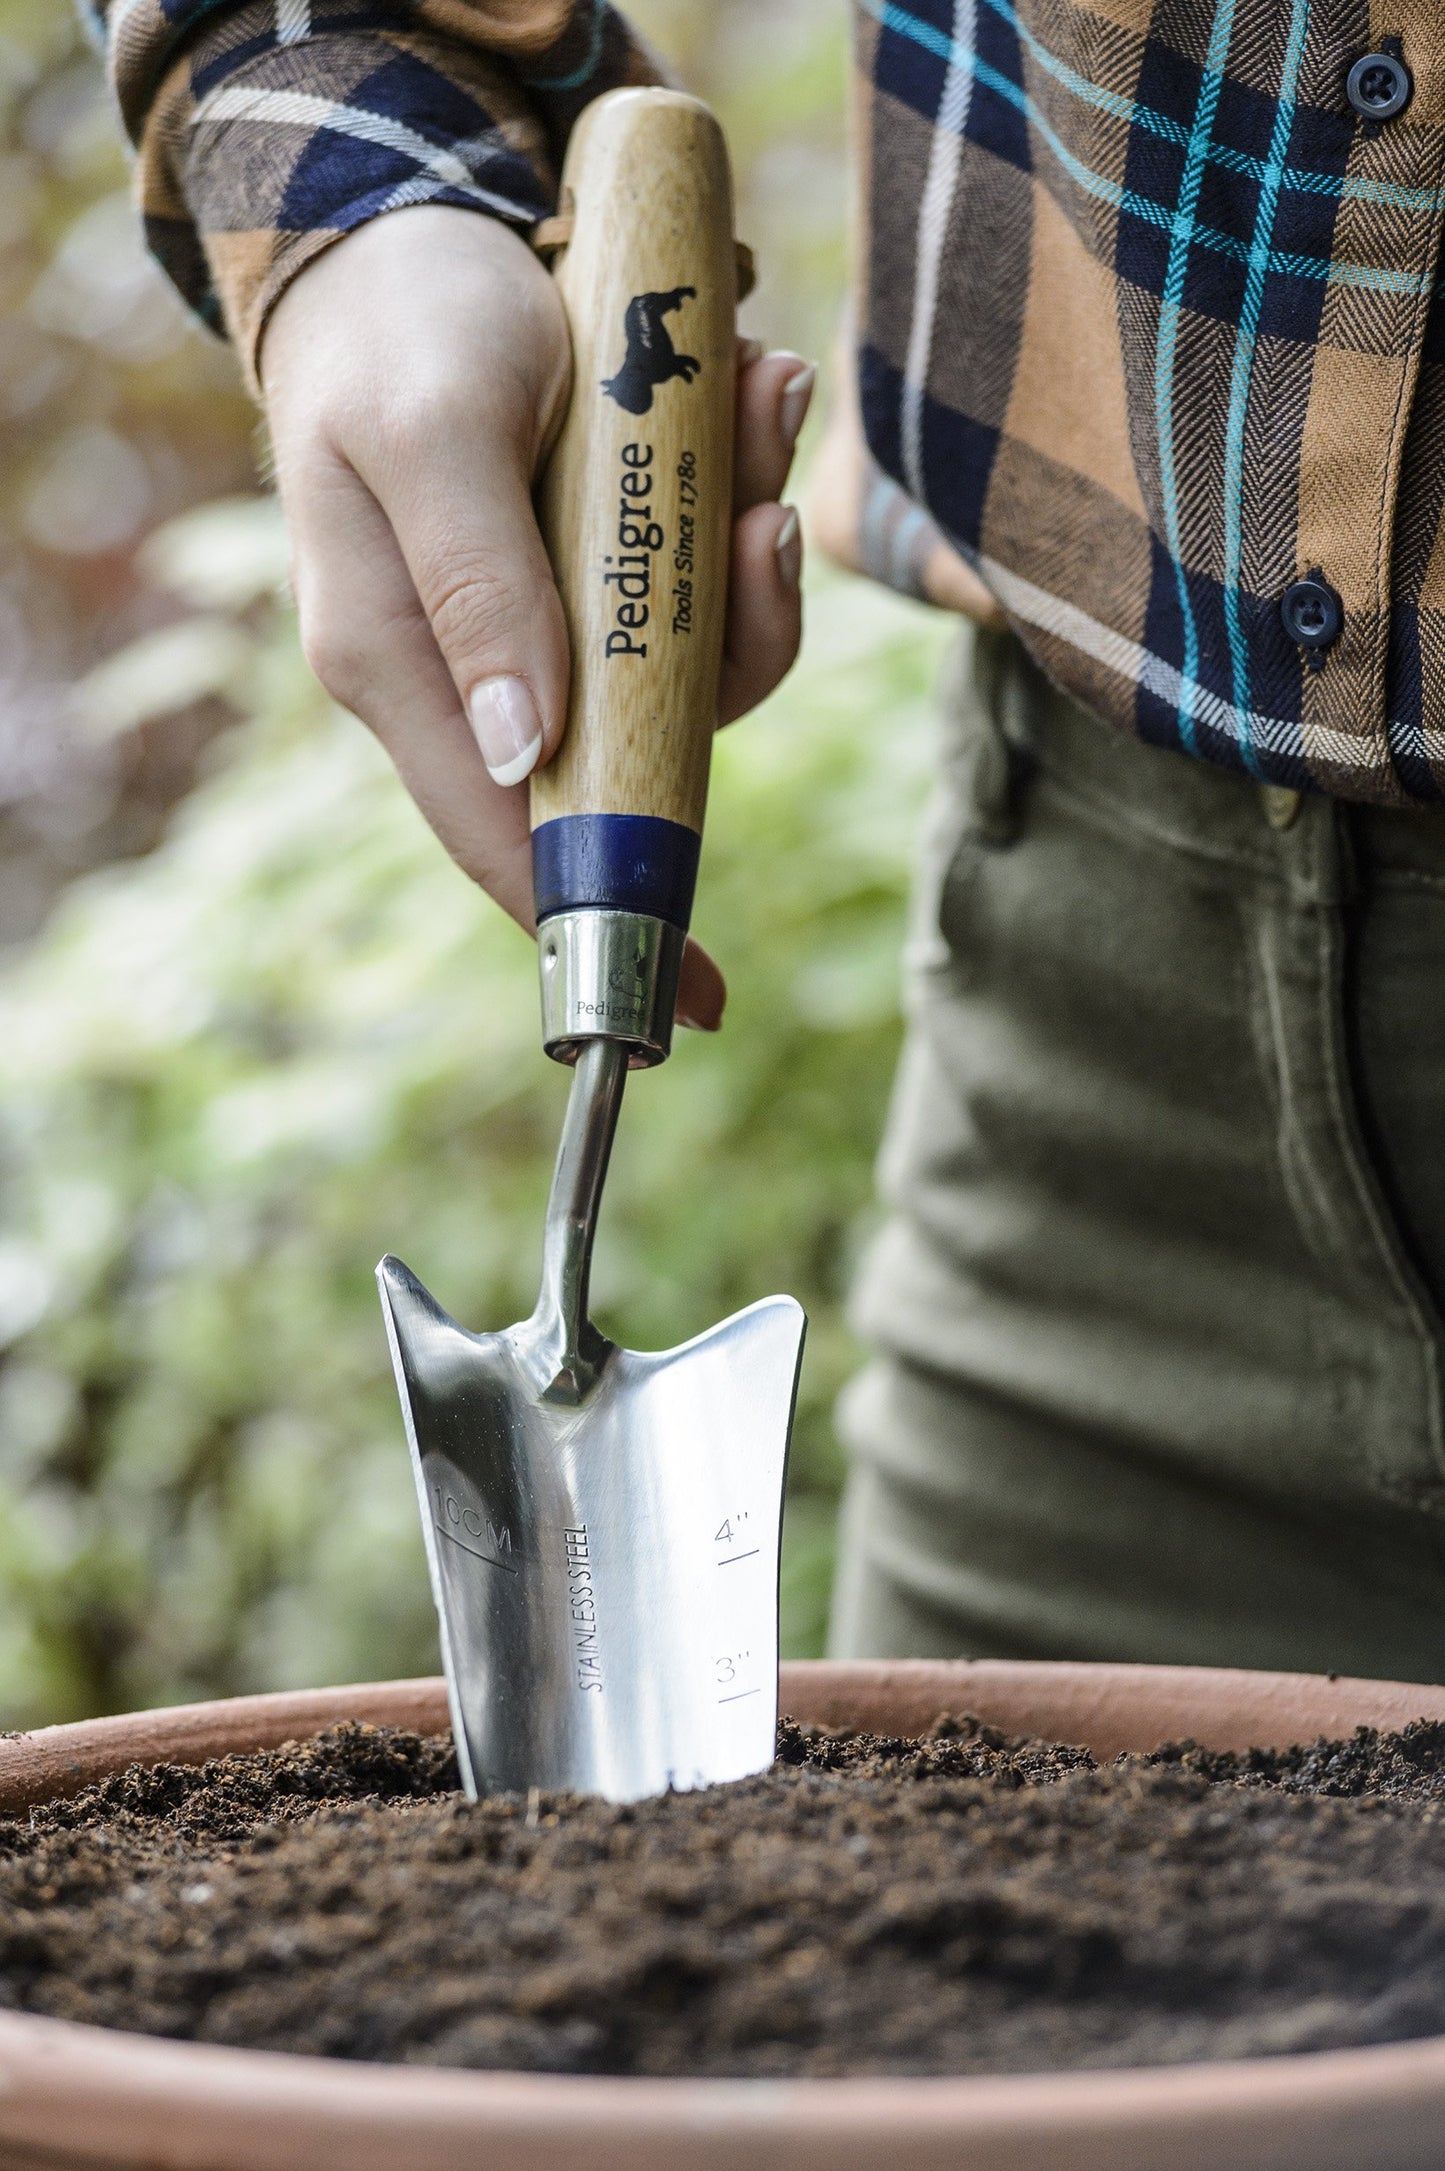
(789, 547)
(797, 393)
(507, 727)
(749, 351)
(696, 1025)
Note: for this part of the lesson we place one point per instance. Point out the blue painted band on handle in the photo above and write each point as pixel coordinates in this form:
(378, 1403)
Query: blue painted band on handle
(627, 862)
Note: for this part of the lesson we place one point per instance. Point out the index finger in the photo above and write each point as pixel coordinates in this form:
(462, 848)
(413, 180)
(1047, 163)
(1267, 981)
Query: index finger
(772, 400)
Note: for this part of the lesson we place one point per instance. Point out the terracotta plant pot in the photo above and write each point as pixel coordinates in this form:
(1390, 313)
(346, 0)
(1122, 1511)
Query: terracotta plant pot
(78, 2098)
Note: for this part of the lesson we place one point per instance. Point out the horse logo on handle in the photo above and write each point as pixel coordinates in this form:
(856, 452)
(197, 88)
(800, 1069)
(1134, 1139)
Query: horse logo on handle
(651, 357)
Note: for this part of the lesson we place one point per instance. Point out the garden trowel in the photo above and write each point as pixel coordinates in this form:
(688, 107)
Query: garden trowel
(602, 1527)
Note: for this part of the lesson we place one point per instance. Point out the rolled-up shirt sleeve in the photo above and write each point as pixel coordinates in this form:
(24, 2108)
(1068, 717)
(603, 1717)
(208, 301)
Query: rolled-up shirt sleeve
(266, 132)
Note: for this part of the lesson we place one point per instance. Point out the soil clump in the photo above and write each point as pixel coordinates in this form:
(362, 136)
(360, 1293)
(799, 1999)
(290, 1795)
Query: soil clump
(965, 1903)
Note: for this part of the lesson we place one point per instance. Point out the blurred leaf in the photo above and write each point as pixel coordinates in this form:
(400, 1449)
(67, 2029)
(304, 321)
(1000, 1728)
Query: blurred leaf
(221, 557)
(162, 672)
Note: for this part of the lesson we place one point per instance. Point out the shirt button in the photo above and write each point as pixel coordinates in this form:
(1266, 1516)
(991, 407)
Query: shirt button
(1312, 612)
(1379, 86)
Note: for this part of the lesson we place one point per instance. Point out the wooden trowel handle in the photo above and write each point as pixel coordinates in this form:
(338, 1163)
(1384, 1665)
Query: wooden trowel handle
(636, 511)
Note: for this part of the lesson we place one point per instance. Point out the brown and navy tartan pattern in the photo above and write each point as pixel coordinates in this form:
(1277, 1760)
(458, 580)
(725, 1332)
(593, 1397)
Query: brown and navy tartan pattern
(1152, 325)
(269, 128)
(1151, 322)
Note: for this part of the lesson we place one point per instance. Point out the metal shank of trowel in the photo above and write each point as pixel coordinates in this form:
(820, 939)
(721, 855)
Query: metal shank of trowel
(559, 1344)
(636, 510)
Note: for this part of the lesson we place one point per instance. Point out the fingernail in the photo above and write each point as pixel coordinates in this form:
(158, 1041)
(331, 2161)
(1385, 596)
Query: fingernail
(696, 1025)
(789, 547)
(749, 351)
(508, 730)
(797, 392)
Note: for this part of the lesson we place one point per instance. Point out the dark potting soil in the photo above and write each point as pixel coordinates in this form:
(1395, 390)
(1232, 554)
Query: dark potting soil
(965, 1903)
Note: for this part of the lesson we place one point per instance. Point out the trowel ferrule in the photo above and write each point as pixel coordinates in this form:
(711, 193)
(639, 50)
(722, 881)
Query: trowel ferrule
(609, 975)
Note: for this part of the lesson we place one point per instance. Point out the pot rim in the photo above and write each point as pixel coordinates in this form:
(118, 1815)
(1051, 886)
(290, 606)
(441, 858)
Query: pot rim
(71, 2084)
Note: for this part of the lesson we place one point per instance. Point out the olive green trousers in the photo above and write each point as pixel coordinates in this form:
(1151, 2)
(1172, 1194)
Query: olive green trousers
(1158, 1308)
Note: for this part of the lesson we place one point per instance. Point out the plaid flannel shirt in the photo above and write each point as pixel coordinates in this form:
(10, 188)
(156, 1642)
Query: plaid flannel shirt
(1150, 323)
(267, 129)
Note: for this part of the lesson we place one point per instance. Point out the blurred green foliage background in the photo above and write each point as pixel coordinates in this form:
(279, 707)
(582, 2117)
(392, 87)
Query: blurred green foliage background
(256, 1029)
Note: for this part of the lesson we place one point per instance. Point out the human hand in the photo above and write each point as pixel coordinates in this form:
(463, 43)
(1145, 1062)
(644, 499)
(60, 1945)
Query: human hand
(415, 375)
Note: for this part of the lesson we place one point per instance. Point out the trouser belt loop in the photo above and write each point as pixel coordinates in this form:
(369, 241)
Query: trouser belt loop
(1281, 805)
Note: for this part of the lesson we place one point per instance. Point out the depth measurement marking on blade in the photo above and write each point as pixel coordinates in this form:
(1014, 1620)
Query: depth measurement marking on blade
(728, 1670)
(730, 1534)
(451, 1519)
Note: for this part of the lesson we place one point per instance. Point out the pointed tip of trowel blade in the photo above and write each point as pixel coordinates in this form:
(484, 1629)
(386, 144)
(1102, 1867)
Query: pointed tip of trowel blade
(406, 1301)
(397, 1283)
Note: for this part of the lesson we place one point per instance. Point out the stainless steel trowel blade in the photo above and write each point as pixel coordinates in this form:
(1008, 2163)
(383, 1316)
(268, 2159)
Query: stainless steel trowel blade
(605, 1575)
